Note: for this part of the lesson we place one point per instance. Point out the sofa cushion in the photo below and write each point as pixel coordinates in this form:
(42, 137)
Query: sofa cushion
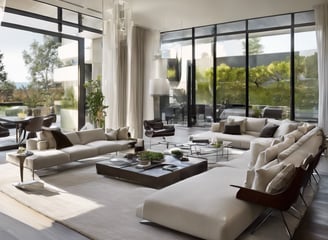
(218, 126)
(46, 135)
(48, 158)
(78, 152)
(296, 134)
(273, 151)
(282, 180)
(285, 127)
(73, 137)
(112, 134)
(265, 174)
(123, 133)
(255, 124)
(210, 202)
(105, 146)
(255, 148)
(268, 130)
(91, 135)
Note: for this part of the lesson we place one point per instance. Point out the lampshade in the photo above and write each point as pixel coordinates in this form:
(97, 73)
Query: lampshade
(159, 87)
(2, 9)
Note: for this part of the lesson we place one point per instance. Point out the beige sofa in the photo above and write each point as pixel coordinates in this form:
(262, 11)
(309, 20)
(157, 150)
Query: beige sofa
(206, 206)
(52, 148)
(250, 129)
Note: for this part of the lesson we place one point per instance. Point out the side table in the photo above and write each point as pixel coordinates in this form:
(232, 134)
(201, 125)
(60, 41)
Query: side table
(29, 184)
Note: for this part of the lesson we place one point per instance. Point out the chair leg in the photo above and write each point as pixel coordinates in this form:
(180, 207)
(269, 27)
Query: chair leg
(286, 226)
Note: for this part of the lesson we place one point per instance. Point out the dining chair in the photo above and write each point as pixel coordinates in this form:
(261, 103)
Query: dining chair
(32, 126)
(49, 120)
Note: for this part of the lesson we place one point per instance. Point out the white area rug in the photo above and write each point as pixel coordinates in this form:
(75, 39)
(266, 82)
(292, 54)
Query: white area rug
(104, 208)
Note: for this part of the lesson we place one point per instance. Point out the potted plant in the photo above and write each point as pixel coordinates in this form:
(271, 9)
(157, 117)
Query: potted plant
(94, 101)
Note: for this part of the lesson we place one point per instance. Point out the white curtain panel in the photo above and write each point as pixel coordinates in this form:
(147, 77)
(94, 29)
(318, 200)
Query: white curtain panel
(114, 72)
(136, 56)
(321, 19)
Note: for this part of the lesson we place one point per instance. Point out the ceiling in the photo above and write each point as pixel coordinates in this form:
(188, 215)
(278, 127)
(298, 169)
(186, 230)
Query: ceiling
(167, 15)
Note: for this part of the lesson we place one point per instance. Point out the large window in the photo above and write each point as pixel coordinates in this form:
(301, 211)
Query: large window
(264, 67)
(230, 75)
(47, 57)
(306, 74)
(269, 72)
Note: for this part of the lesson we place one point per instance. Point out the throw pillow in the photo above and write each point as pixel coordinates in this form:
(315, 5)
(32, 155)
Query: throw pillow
(282, 180)
(264, 175)
(232, 129)
(255, 149)
(215, 127)
(218, 127)
(268, 130)
(61, 139)
(112, 134)
(123, 133)
(46, 135)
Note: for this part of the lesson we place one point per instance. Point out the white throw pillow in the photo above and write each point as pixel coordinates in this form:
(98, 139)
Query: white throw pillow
(285, 127)
(123, 133)
(255, 148)
(273, 151)
(217, 127)
(255, 124)
(265, 174)
(112, 134)
(46, 135)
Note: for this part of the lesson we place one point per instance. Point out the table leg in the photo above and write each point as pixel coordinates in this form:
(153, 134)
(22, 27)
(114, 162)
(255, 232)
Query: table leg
(21, 167)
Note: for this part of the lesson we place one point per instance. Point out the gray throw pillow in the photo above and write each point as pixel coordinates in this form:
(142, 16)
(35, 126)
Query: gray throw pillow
(268, 130)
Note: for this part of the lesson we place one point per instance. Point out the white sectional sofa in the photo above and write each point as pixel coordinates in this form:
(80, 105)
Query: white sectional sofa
(52, 148)
(250, 129)
(206, 206)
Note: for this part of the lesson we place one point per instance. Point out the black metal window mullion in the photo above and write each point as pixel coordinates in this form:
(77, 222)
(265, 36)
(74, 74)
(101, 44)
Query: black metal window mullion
(214, 75)
(292, 69)
(247, 70)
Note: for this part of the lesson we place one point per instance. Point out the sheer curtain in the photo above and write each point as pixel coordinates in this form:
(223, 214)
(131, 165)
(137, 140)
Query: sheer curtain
(321, 19)
(135, 93)
(114, 71)
(123, 75)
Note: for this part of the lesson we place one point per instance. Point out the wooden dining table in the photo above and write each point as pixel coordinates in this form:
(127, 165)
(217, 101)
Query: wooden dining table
(20, 124)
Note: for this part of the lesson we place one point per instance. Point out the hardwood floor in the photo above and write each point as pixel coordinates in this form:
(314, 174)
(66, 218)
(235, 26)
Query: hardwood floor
(22, 223)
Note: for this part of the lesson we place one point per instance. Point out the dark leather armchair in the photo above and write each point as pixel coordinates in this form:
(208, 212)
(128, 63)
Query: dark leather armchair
(156, 128)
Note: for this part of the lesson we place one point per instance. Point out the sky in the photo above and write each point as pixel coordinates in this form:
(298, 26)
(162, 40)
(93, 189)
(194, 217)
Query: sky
(12, 44)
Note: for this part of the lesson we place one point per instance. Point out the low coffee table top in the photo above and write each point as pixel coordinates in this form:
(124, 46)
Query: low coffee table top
(158, 175)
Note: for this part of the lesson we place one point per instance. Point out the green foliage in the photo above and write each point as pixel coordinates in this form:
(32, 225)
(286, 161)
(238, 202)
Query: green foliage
(94, 101)
(69, 101)
(6, 87)
(41, 61)
(150, 156)
(3, 73)
(268, 84)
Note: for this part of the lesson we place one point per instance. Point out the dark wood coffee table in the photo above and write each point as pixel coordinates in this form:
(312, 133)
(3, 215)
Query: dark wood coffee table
(154, 176)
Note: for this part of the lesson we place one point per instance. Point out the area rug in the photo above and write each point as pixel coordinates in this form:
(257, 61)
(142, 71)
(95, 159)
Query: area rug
(103, 208)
